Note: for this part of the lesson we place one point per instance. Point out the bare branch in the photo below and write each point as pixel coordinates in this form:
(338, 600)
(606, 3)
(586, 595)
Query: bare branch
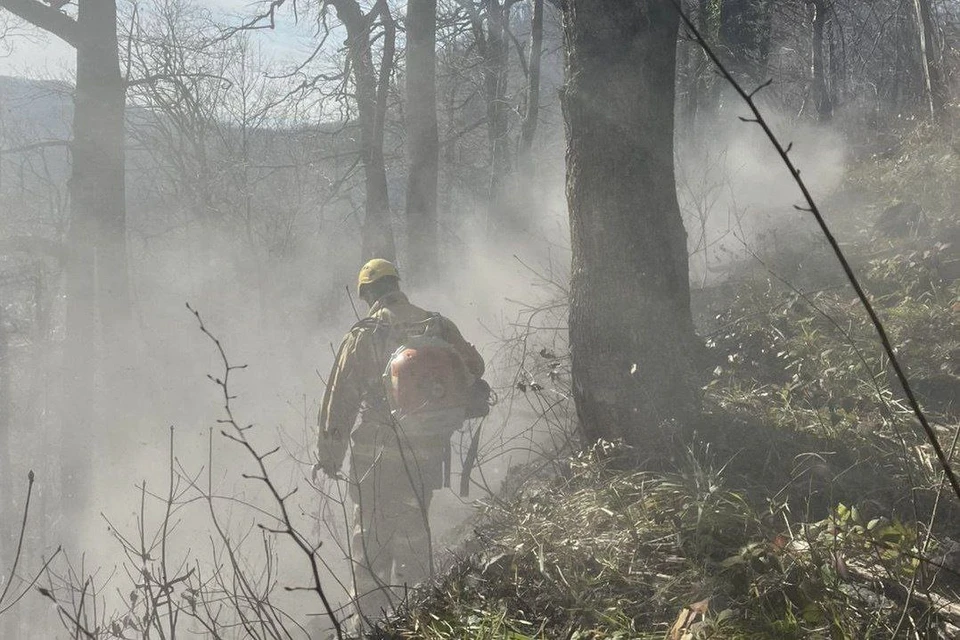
(284, 515)
(45, 17)
(43, 144)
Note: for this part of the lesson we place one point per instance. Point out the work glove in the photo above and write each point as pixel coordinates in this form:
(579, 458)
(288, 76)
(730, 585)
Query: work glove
(329, 455)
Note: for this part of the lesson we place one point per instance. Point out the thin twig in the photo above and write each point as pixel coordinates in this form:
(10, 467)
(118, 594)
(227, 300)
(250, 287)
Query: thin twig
(23, 529)
(240, 437)
(352, 304)
(73, 620)
(19, 554)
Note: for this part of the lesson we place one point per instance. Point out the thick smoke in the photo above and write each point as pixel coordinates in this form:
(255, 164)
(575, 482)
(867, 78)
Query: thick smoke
(283, 317)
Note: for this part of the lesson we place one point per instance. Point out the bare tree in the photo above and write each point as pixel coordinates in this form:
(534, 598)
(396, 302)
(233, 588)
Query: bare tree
(528, 130)
(372, 84)
(632, 340)
(490, 24)
(224, 150)
(368, 32)
(98, 304)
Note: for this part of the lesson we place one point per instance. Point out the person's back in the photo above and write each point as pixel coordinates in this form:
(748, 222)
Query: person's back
(395, 309)
(396, 460)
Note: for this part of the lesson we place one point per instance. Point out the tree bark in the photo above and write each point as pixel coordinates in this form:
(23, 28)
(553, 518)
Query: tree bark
(632, 339)
(528, 129)
(6, 478)
(371, 94)
(495, 75)
(98, 302)
(45, 17)
(707, 91)
(688, 61)
(79, 367)
(423, 140)
(837, 70)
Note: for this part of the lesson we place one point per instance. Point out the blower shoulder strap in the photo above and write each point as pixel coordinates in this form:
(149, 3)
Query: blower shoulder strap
(366, 323)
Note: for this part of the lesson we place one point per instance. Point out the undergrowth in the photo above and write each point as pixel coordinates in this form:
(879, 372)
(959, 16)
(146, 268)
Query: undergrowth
(719, 549)
(809, 362)
(608, 554)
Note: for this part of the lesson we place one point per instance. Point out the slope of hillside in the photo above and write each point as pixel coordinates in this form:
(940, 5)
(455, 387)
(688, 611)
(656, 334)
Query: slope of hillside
(809, 504)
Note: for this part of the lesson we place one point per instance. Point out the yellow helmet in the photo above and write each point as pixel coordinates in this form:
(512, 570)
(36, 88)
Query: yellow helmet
(374, 270)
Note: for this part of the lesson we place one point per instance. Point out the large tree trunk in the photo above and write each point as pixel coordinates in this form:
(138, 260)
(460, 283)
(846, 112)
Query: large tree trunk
(97, 278)
(688, 60)
(378, 240)
(98, 159)
(423, 140)
(632, 339)
(837, 71)
(80, 369)
(98, 301)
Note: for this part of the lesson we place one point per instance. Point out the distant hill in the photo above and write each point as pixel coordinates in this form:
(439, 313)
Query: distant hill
(35, 109)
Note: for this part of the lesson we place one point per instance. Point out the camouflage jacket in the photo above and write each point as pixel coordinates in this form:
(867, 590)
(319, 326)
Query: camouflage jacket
(355, 384)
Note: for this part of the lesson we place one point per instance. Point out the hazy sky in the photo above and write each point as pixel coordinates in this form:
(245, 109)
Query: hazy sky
(30, 52)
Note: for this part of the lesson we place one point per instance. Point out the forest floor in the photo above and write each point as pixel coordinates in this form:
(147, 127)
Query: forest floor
(809, 505)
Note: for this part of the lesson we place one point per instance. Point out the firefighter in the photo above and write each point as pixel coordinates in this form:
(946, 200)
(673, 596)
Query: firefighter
(395, 461)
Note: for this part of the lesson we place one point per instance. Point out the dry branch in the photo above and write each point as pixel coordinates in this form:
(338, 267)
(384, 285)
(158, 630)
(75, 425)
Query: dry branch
(238, 435)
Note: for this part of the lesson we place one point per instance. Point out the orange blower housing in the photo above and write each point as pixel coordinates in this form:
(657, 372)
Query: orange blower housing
(425, 376)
